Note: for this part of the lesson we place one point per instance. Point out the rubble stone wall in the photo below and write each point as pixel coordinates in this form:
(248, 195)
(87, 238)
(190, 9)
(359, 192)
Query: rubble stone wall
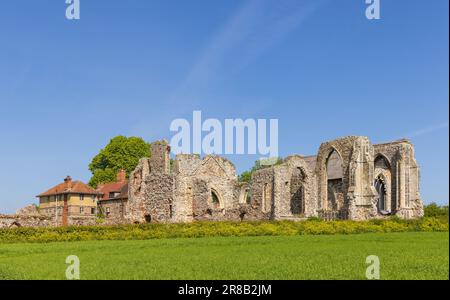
(298, 188)
(14, 221)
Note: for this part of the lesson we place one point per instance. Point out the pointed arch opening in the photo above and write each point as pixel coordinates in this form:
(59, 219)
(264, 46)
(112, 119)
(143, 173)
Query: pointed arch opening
(381, 162)
(215, 199)
(383, 185)
(335, 188)
(297, 189)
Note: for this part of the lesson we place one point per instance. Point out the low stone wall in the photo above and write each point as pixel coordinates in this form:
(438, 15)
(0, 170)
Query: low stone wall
(244, 212)
(14, 221)
(81, 220)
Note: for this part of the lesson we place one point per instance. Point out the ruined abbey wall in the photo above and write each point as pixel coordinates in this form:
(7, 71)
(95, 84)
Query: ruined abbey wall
(349, 178)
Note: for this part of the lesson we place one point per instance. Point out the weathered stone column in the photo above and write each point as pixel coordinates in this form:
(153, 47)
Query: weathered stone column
(401, 183)
(281, 193)
(361, 193)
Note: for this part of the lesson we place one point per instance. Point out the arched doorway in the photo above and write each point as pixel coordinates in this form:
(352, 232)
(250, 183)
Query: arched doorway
(297, 190)
(215, 199)
(335, 188)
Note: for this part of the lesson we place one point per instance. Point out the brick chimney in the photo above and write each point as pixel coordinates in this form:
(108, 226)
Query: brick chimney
(68, 182)
(121, 176)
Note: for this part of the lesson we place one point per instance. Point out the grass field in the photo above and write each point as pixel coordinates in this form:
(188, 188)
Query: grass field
(409, 255)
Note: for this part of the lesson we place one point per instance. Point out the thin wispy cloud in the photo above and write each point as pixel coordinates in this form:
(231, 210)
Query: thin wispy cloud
(257, 26)
(251, 31)
(427, 130)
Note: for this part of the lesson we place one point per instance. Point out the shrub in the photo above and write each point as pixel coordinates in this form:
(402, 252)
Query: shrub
(209, 229)
(435, 211)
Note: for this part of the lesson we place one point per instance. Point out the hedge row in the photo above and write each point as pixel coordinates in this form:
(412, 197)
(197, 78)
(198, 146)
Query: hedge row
(209, 229)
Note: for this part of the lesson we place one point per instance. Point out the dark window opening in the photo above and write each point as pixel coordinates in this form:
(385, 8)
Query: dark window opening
(148, 218)
(380, 187)
(214, 198)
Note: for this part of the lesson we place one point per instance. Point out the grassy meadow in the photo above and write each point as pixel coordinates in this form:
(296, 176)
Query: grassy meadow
(403, 255)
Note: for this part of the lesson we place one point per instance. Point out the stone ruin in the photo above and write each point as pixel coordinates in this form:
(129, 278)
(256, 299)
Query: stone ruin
(31, 216)
(28, 216)
(349, 178)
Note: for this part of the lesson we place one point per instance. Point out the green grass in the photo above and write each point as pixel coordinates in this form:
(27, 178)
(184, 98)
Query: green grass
(408, 255)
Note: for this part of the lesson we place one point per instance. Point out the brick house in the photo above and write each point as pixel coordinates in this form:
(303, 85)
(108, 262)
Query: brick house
(70, 203)
(113, 198)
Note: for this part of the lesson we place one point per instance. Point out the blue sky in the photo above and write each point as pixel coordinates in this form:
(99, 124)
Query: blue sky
(131, 67)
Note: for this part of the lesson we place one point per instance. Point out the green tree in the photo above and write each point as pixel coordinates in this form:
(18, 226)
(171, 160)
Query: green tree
(120, 153)
(245, 176)
(434, 210)
(259, 164)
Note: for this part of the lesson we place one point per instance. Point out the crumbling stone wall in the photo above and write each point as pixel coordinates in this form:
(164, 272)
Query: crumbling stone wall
(298, 188)
(344, 148)
(31, 216)
(136, 192)
(194, 189)
(209, 188)
(14, 221)
(405, 177)
(300, 169)
(29, 210)
(117, 210)
(158, 197)
(261, 186)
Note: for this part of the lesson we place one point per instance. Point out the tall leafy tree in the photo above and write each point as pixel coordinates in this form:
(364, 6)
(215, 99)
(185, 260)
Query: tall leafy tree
(120, 153)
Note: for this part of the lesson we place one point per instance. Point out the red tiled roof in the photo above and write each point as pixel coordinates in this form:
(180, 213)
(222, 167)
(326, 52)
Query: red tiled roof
(113, 187)
(69, 187)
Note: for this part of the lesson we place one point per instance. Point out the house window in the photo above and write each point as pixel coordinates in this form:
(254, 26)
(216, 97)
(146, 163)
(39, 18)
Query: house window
(112, 195)
(81, 210)
(93, 211)
(81, 197)
(108, 211)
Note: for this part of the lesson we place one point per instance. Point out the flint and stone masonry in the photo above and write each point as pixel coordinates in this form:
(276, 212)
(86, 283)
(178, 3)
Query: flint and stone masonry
(349, 178)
